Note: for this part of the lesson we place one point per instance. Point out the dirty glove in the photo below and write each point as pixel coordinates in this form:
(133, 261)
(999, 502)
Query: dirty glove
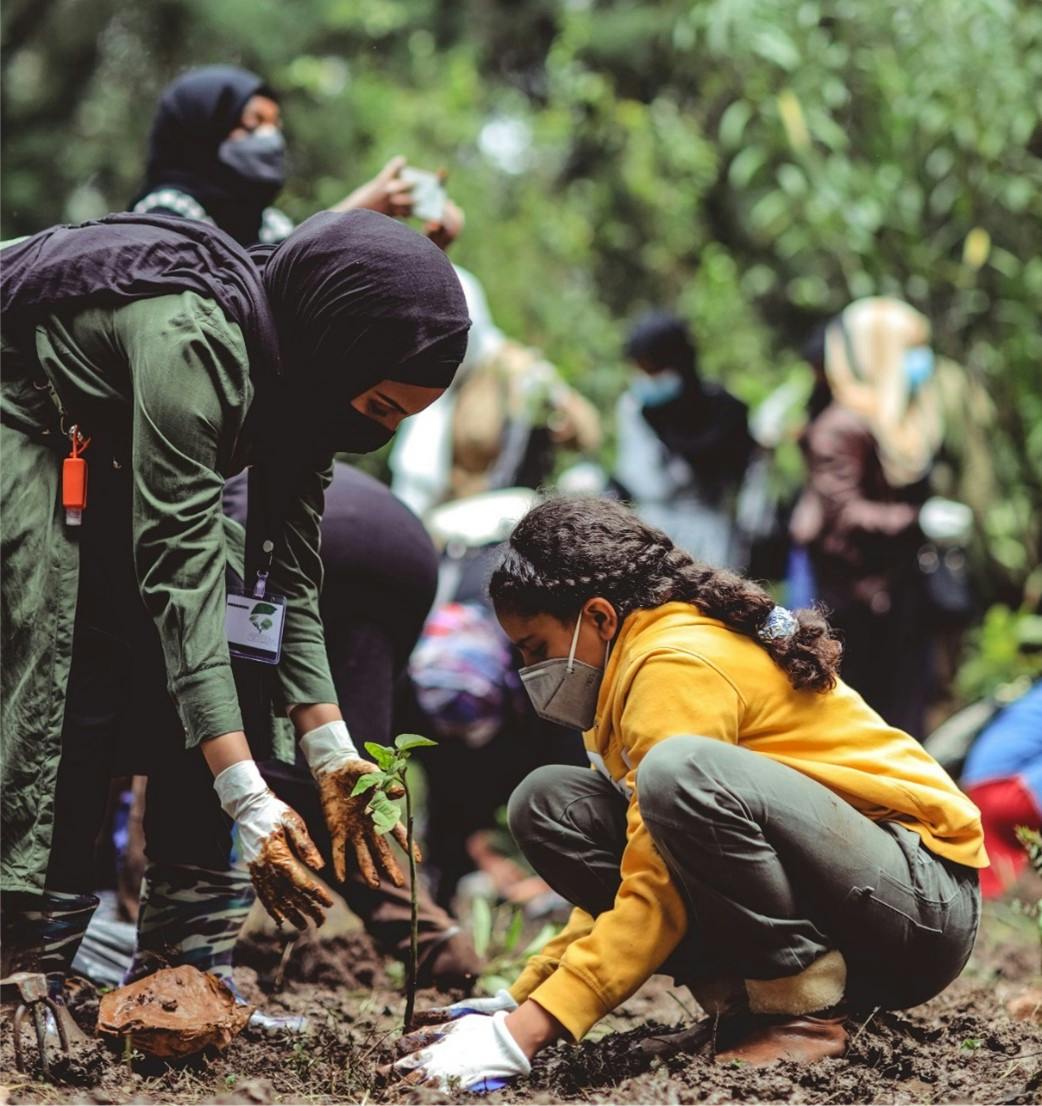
(337, 767)
(267, 828)
(473, 1054)
(501, 1000)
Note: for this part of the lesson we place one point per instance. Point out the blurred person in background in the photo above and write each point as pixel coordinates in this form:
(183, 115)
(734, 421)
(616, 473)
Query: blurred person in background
(683, 444)
(500, 427)
(217, 154)
(1003, 776)
(866, 513)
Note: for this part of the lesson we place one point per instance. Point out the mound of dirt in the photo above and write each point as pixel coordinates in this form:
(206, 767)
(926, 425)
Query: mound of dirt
(343, 961)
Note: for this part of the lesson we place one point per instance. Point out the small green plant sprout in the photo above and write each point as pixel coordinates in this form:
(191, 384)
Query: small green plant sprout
(971, 1044)
(498, 943)
(383, 810)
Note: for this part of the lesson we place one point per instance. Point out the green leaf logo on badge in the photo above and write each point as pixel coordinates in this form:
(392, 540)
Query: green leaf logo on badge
(259, 617)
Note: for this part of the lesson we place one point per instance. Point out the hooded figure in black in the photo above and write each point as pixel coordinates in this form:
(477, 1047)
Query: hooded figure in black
(683, 443)
(192, 158)
(164, 372)
(699, 421)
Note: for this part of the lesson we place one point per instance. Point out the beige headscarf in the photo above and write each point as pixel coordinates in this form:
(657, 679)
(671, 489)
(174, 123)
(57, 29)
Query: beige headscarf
(864, 363)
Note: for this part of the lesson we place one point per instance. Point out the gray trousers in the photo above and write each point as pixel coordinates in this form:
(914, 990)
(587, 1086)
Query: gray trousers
(774, 870)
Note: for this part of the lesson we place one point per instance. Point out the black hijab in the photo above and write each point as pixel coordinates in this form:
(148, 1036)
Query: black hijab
(358, 298)
(129, 257)
(196, 112)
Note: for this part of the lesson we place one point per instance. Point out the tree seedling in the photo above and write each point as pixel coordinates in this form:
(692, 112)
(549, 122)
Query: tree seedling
(381, 808)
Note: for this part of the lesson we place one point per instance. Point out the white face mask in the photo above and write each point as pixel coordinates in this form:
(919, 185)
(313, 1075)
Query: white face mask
(564, 690)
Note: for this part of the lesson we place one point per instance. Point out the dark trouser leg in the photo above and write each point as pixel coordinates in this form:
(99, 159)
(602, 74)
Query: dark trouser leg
(94, 704)
(775, 870)
(571, 825)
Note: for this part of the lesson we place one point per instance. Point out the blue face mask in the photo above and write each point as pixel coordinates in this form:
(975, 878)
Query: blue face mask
(657, 390)
(919, 365)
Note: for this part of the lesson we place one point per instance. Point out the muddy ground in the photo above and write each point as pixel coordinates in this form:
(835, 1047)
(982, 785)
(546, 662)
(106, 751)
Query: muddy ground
(962, 1047)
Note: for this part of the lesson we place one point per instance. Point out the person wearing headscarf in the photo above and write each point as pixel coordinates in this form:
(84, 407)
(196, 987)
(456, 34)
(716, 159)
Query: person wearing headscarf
(683, 443)
(217, 154)
(167, 358)
(869, 448)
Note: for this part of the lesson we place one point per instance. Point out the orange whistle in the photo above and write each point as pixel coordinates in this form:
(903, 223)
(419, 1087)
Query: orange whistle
(74, 489)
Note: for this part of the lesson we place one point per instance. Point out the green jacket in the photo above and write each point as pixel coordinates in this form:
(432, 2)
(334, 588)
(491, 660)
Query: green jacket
(172, 372)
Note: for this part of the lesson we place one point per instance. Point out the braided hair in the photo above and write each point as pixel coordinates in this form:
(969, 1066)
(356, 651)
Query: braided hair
(569, 549)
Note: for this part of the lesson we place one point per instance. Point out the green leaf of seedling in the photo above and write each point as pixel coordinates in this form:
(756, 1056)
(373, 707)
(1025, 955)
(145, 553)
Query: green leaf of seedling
(971, 1044)
(370, 779)
(481, 925)
(406, 741)
(540, 939)
(383, 756)
(383, 812)
(513, 933)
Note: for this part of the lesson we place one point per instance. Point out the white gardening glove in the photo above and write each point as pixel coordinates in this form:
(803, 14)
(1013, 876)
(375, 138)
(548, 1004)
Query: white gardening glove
(436, 1015)
(328, 747)
(267, 828)
(337, 767)
(475, 1053)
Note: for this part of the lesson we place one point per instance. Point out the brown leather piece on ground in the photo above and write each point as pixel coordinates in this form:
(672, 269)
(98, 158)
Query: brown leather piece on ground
(175, 1012)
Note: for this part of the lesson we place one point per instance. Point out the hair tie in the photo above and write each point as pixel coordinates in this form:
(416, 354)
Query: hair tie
(778, 625)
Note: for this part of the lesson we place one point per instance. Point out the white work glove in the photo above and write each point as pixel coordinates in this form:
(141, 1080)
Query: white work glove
(267, 829)
(328, 747)
(337, 767)
(475, 1053)
(436, 1015)
(946, 521)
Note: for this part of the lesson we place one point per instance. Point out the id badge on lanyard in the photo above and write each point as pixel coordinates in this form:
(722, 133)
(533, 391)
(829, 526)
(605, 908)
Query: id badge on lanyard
(254, 623)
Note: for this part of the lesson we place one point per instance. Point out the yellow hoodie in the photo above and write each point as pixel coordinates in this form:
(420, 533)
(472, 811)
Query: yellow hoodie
(671, 672)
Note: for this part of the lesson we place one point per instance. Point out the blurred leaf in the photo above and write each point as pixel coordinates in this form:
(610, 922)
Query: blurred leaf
(407, 741)
(481, 925)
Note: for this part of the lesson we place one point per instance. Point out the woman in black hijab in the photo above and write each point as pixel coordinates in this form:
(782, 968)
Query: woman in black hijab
(152, 339)
(217, 154)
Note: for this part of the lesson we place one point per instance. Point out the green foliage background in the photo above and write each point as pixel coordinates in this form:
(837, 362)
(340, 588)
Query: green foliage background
(757, 163)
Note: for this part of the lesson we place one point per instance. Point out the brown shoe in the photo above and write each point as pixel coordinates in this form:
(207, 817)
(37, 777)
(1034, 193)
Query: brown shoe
(801, 1039)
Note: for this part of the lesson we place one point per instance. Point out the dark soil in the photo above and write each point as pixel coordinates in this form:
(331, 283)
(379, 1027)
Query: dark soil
(961, 1047)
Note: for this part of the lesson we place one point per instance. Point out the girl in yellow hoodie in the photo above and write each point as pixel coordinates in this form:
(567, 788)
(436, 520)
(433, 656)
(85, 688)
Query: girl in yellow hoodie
(749, 824)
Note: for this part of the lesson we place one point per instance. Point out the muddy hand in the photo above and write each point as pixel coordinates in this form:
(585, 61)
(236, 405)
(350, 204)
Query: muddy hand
(337, 767)
(274, 842)
(284, 885)
(350, 827)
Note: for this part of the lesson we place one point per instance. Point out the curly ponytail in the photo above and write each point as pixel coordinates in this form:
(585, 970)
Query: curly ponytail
(566, 550)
